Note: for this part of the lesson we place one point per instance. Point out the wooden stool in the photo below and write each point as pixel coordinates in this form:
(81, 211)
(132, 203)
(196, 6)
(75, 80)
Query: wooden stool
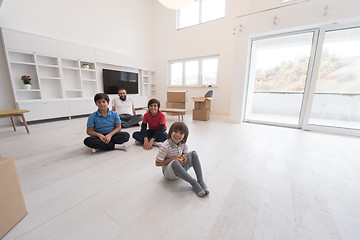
(13, 113)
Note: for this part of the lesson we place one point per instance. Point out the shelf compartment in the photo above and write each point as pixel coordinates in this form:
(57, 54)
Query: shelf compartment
(71, 79)
(90, 68)
(49, 72)
(68, 63)
(47, 60)
(19, 70)
(23, 94)
(51, 89)
(86, 74)
(17, 57)
(90, 88)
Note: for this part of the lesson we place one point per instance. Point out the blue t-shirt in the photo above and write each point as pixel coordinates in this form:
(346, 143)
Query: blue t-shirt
(101, 124)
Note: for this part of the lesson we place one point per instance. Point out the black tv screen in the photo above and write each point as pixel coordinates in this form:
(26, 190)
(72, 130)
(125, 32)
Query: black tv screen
(114, 80)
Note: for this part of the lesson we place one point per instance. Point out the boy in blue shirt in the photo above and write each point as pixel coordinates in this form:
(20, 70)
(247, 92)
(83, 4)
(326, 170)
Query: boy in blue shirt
(104, 127)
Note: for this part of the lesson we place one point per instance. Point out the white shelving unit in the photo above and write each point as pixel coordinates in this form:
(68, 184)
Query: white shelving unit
(61, 84)
(56, 82)
(148, 84)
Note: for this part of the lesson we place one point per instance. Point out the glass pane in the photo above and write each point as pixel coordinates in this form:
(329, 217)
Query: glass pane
(212, 9)
(209, 71)
(176, 70)
(189, 15)
(191, 72)
(277, 76)
(336, 99)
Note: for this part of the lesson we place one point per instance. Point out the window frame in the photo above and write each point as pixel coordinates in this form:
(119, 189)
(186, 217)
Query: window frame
(200, 75)
(200, 13)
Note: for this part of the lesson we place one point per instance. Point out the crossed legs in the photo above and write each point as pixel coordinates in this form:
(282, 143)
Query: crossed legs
(96, 143)
(199, 185)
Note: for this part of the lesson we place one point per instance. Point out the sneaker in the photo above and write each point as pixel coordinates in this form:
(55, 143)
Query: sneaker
(94, 150)
(121, 147)
(138, 143)
(157, 144)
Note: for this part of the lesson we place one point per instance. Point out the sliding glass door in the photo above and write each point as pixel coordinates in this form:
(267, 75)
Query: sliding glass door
(309, 80)
(335, 89)
(278, 72)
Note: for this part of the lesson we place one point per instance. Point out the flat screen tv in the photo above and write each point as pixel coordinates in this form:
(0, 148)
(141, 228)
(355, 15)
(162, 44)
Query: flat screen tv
(114, 80)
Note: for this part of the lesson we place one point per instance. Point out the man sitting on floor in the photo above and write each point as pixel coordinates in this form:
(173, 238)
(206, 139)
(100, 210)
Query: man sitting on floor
(124, 106)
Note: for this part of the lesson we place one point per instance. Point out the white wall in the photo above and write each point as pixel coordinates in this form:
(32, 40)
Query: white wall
(6, 93)
(205, 39)
(120, 26)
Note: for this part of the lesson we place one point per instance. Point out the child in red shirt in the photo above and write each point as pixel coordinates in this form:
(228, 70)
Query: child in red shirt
(155, 119)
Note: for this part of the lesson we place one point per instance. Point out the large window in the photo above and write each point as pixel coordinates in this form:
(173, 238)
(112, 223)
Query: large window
(308, 79)
(279, 67)
(199, 12)
(194, 72)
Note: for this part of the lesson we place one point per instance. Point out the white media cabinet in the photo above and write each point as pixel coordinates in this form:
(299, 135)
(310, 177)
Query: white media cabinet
(61, 86)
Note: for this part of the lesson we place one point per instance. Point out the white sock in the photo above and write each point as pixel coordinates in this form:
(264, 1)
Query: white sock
(121, 146)
(157, 144)
(94, 150)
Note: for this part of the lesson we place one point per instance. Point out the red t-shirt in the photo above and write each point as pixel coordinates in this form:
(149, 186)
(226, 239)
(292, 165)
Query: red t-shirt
(154, 122)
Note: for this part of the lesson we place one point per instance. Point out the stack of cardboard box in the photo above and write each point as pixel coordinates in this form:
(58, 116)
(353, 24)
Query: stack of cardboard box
(201, 109)
(12, 205)
(176, 100)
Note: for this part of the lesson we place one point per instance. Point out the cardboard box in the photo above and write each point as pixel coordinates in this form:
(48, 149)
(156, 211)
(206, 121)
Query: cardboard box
(202, 103)
(177, 105)
(12, 205)
(180, 96)
(201, 114)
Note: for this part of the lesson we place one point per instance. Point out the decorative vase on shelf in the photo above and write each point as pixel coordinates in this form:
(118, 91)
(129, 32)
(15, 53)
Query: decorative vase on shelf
(27, 86)
(85, 66)
(26, 80)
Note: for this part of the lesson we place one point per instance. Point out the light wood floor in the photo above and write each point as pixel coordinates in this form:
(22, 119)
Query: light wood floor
(266, 183)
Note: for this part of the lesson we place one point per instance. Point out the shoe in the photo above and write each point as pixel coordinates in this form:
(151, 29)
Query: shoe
(157, 144)
(94, 150)
(121, 147)
(138, 143)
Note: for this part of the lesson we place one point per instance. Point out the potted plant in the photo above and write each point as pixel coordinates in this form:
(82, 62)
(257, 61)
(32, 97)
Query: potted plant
(26, 81)
(85, 65)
